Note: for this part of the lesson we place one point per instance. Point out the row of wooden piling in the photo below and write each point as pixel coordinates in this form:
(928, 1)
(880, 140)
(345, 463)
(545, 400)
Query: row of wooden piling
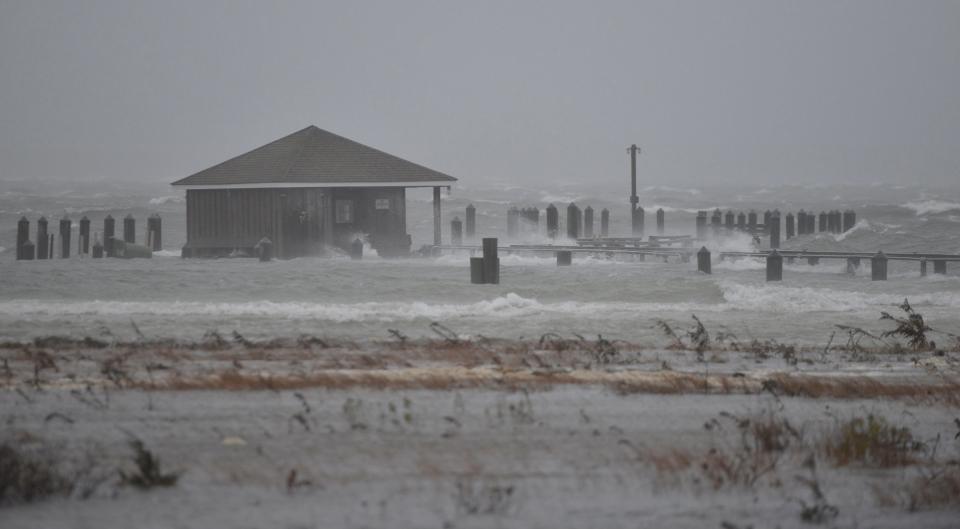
(803, 223)
(44, 247)
(579, 223)
(878, 263)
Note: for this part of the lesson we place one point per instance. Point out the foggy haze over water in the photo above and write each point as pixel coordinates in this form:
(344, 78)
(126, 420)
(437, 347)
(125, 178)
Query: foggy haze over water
(538, 93)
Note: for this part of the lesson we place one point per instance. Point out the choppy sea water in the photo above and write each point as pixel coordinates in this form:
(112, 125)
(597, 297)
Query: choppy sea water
(168, 297)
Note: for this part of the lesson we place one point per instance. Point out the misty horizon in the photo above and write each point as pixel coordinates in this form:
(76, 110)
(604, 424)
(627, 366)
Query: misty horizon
(535, 93)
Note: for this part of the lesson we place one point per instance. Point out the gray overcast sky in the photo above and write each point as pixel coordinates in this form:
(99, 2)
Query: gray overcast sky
(532, 92)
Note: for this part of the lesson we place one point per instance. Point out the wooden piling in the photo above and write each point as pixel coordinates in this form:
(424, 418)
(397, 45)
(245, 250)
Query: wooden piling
(491, 263)
(801, 222)
(43, 239)
(766, 220)
(553, 221)
(822, 225)
(564, 257)
(661, 220)
(703, 260)
(27, 250)
(813, 261)
(97, 252)
(811, 220)
(356, 249)
(129, 229)
(23, 235)
(604, 222)
(437, 240)
(109, 232)
(741, 221)
(878, 267)
(471, 221)
(790, 226)
(50, 247)
(513, 222)
(66, 225)
(923, 267)
(773, 226)
(752, 220)
(638, 220)
(940, 267)
(456, 231)
(701, 225)
(831, 222)
(849, 220)
(83, 247)
(588, 222)
(476, 270)
(154, 232)
(774, 266)
(730, 220)
(716, 221)
(573, 221)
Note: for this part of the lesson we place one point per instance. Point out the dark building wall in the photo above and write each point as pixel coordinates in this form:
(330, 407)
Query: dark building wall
(300, 221)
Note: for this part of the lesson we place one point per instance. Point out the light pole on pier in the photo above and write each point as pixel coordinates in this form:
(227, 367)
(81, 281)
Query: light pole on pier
(636, 212)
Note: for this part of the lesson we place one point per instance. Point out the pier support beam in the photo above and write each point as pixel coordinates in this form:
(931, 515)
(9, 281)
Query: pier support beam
(773, 226)
(604, 222)
(588, 222)
(553, 221)
(23, 235)
(83, 245)
(661, 221)
(109, 232)
(66, 226)
(471, 221)
(774, 266)
(491, 263)
(703, 260)
(43, 240)
(939, 267)
(436, 216)
(878, 267)
(456, 231)
(923, 267)
(564, 258)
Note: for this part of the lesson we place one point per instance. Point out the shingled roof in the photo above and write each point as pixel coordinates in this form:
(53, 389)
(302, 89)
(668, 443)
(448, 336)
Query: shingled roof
(315, 157)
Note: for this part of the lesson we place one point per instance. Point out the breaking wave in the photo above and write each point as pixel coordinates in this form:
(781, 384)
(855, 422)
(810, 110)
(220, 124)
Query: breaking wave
(925, 207)
(736, 297)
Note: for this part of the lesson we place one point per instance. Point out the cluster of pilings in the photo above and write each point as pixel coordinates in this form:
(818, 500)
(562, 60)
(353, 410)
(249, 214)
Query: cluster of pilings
(104, 242)
(802, 224)
(579, 223)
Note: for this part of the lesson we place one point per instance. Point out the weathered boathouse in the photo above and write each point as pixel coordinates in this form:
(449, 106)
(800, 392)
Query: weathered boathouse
(306, 192)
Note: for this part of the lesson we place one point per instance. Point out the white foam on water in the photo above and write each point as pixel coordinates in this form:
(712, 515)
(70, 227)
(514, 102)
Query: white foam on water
(170, 199)
(167, 253)
(925, 207)
(508, 307)
(783, 299)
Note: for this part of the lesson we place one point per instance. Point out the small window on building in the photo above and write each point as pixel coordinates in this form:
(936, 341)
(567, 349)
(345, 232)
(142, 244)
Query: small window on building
(383, 203)
(344, 211)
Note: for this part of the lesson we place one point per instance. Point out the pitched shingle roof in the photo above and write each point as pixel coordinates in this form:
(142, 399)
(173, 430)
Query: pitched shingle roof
(315, 156)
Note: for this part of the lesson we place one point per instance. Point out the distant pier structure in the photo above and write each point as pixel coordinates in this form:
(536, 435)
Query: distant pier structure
(306, 192)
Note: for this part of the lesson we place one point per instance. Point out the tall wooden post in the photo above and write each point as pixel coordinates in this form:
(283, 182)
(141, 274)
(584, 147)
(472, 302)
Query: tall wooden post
(774, 266)
(661, 221)
(588, 222)
(513, 222)
(636, 216)
(715, 221)
(553, 221)
(491, 263)
(822, 225)
(701, 225)
(604, 222)
(109, 232)
(878, 267)
(773, 227)
(573, 221)
(471, 221)
(703, 260)
(801, 222)
(752, 221)
(741, 221)
(66, 225)
(23, 235)
(729, 220)
(129, 229)
(84, 242)
(436, 216)
(790, 226)
(43, 240)
(456, 231)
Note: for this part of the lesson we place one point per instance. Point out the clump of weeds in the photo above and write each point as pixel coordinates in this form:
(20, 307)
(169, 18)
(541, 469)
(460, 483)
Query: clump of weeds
(912, 327)
(148, 474)
(870, 441)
